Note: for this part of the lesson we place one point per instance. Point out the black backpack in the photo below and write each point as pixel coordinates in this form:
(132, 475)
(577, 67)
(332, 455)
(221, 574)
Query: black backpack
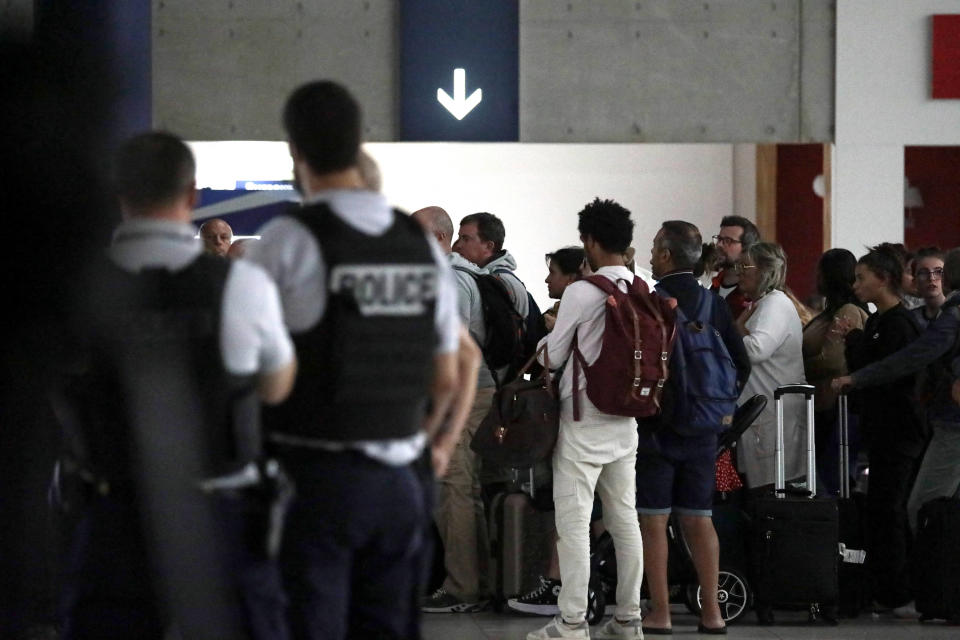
(511, 339)
(503, 344)
(534, 327)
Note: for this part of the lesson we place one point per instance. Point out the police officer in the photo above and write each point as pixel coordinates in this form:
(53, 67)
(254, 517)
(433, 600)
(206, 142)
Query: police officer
(372, 307)
(176, 347)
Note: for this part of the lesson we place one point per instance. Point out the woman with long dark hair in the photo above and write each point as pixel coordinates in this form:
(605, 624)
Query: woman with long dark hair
(824, 358)
(896, 437)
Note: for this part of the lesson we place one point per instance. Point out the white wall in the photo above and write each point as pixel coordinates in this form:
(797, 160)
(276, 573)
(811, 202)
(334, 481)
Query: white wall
(884, 78)
(866, 215)
(536, 189)
(745, 181)
(883, 104)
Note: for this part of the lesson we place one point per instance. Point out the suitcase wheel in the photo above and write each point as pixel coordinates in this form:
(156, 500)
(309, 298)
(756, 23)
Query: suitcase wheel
(733, 595)
(764, 614)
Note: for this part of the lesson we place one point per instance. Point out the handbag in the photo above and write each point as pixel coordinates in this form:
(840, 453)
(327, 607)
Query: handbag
(727, 477)
(521, 427)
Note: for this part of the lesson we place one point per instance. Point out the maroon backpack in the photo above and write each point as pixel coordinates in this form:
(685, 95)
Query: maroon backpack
(627, 377)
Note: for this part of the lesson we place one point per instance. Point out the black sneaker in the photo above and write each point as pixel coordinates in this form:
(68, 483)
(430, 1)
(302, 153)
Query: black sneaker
(442, 602)
(542, 601)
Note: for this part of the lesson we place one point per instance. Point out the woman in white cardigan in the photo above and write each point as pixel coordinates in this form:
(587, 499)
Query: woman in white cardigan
(773, 336)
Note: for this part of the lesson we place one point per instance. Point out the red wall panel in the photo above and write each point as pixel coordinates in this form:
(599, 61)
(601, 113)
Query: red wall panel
(935, 172)
(946, 56)
(800, 213)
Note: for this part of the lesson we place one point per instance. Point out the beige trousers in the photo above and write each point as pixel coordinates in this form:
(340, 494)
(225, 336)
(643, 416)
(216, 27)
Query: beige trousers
(460, 515)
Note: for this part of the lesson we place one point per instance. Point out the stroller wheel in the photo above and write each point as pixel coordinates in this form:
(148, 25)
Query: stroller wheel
(733, 595)
(596, 603)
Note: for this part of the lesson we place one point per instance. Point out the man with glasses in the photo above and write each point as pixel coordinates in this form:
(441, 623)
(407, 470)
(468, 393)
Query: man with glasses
(736, 235)
(928, 279)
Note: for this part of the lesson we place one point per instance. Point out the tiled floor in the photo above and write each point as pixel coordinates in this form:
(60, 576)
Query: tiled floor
(489, 625)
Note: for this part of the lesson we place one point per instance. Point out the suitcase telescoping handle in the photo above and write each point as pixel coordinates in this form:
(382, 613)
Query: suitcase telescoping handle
(807, 391)
(843, 420)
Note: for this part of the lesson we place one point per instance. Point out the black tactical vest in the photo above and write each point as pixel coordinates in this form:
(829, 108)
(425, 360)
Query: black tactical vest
(153, 347)
(364, 369)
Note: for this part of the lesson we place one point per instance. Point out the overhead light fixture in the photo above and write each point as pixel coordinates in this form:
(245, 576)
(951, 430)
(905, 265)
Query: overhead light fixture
(911, 195)
(820, 186)
(911, 200)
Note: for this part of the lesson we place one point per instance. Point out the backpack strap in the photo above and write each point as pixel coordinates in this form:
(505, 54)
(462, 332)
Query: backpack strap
(493, 372)
(602, 282)
(498, 272)
(666, 341)
(579, 362)
(508, 271)
(704, 307)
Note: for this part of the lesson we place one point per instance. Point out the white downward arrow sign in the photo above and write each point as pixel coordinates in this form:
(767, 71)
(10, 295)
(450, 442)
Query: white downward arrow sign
(459, 105)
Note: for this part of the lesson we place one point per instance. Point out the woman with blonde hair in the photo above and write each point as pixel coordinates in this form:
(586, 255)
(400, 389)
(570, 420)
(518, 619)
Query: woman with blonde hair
(772, 335)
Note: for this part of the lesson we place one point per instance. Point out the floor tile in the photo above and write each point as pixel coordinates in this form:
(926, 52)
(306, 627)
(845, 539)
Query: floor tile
(791, 625)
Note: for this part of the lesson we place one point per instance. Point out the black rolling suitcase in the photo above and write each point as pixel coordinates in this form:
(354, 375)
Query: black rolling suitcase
(794, 538)
(851, 507)
(936, 560)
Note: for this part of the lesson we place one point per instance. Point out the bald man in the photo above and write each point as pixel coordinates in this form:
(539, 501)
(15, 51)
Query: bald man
(217, 236)
(369, 171)
(459, 509)
(437, 222)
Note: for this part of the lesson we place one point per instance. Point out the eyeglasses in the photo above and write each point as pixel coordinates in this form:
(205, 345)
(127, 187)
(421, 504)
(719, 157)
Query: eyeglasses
(930, 274)
(726, 241)
(740, 268)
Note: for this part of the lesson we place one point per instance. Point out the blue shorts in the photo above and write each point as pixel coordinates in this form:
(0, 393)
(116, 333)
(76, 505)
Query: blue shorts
(676, 473)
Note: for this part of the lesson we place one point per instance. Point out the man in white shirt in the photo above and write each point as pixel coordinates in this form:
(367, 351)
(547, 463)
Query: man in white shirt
(177, 347)
(371, 304)
(598, 452)
(459, 510)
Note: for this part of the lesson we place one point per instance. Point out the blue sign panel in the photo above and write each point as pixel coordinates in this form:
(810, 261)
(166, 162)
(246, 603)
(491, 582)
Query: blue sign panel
(459, 70)
(265, 185)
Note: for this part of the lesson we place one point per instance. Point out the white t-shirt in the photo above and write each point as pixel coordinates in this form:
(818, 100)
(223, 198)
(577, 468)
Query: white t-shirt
(598, 437)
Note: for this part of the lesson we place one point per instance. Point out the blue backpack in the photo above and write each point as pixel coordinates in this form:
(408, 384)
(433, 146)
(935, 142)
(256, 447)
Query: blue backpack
(703, 377)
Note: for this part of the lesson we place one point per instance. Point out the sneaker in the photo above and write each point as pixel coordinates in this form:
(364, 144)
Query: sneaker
(906, 612)
(542, 601)
(614, 630)
(557, 628)
(878, 608)
(442, 602)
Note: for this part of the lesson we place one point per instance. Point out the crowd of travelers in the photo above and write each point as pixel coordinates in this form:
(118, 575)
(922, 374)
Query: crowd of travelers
(265, 438)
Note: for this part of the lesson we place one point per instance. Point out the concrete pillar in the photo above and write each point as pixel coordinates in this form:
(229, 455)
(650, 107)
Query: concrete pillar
(867, 195)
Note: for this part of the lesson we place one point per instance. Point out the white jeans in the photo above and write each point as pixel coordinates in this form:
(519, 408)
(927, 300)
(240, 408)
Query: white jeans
(574, 482)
